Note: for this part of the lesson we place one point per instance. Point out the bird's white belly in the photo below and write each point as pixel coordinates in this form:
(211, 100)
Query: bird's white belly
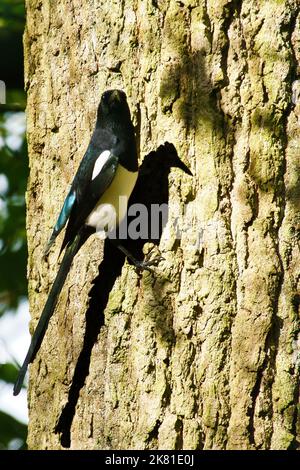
(112, 206)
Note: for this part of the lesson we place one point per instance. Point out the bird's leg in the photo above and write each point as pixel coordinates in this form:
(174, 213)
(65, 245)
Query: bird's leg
(155, 261)
(140, 265)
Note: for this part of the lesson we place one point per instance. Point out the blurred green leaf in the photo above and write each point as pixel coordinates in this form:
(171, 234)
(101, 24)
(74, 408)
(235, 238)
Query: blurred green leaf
(8, 373)
(11, 429)
(12, 21)
(13, 247)
(15, 100)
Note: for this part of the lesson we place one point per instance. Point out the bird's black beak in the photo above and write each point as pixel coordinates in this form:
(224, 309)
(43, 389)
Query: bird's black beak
(116, 96)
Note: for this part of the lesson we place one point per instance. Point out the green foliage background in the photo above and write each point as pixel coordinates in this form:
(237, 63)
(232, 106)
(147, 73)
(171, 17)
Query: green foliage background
(14, 166)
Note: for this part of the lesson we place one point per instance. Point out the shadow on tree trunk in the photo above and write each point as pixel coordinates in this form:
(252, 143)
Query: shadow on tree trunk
(151, 188)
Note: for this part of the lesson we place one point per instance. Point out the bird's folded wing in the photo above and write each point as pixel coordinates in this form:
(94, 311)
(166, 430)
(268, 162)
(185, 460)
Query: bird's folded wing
(93, 161)
(90, 196)
(62, 218)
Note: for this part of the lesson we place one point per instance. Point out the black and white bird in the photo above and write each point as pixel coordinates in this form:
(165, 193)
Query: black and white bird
(96, 201)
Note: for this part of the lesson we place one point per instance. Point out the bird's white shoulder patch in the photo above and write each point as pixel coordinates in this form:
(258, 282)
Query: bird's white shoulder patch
(100, 162)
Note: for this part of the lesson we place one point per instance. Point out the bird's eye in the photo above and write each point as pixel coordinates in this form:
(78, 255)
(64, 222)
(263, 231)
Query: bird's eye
(105, 96)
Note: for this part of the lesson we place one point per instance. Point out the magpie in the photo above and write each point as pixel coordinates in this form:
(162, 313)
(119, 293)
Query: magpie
(108, 170)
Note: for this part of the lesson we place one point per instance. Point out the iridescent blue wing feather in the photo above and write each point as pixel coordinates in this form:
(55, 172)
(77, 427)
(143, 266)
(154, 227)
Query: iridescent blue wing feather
(62, 218)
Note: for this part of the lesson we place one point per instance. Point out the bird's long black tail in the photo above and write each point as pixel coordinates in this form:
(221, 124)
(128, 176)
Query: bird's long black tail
(57, 286)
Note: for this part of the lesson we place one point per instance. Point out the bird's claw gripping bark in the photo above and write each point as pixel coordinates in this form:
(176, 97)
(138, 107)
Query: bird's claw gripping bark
(147, 263)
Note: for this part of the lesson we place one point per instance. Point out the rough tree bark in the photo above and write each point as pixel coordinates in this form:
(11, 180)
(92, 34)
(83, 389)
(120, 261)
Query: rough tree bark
(204, 355)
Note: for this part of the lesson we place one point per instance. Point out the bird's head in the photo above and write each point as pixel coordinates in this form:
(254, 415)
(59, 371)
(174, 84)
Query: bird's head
(113, 106)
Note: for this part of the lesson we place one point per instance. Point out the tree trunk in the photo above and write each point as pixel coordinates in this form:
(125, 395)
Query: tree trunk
(204, 354)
